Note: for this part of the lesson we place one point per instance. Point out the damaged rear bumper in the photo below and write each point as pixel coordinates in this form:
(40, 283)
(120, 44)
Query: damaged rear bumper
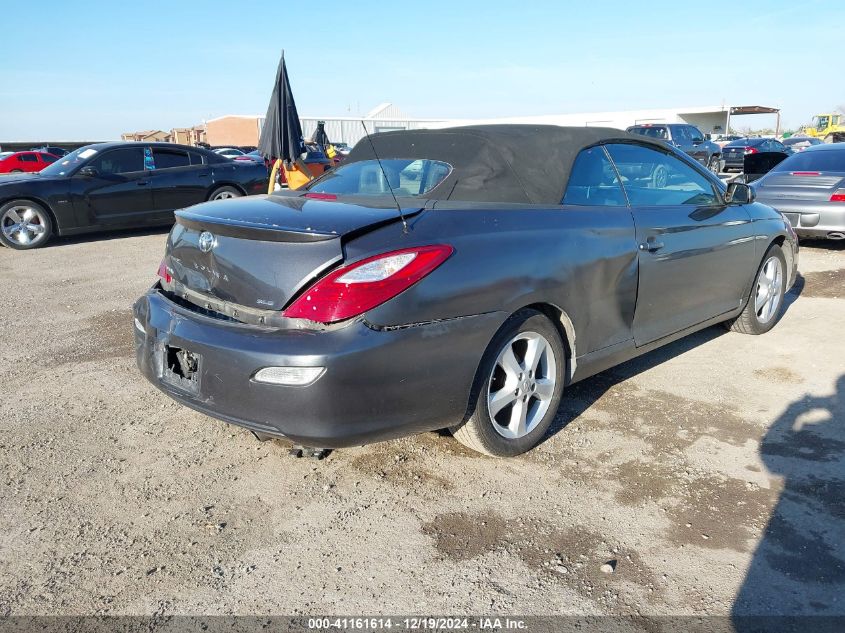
(377, 384)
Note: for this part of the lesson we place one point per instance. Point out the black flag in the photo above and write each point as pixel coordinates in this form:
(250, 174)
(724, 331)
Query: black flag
(281, 136)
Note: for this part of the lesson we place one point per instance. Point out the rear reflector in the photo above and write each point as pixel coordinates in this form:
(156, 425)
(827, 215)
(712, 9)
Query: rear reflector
(351, 290)
(838, 196)
(321, 196)
(162, 272)
(290, 376)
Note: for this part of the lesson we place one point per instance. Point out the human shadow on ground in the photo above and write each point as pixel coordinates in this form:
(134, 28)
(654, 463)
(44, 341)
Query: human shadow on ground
(796, 579)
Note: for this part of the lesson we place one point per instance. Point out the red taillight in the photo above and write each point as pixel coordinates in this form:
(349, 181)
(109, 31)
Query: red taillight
(353, 289)
(320, 196)
(838, 196)
(750, 150)
(805, 173)
(162, 272)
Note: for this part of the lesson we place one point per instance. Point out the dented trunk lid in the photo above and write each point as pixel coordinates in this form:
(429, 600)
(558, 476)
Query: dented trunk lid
(259, 251)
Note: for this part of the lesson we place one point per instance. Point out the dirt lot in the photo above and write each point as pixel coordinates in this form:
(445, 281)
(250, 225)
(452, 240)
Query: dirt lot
(712, 472)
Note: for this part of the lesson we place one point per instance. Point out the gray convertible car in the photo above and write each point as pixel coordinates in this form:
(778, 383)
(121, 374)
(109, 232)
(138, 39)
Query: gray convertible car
(450, 279)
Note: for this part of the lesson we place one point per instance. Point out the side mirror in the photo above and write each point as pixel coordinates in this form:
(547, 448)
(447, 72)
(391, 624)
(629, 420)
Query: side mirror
(708, 137)
(739, 193)
(89, 171)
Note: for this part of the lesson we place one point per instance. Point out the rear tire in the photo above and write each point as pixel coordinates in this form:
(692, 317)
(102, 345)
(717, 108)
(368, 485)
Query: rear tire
(765, 303)
(518, 387)
(224, 193)
(24, 225)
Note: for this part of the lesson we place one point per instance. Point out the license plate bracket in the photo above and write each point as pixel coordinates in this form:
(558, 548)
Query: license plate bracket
(179, 367)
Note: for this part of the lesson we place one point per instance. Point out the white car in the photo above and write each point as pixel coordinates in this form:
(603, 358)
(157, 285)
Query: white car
(229, 152)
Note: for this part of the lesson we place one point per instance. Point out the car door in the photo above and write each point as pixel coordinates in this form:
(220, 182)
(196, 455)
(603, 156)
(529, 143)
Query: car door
(695, 251)
(594, 200)
(116, 190)
(180, 178)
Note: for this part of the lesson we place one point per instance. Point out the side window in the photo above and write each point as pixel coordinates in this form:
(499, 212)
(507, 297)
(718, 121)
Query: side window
(168, 158)
(593, 181)
(695, 134)
(120, 161)
(680, 134)
(196, 158)
(28, 158)
(47, 158)
(654, 178)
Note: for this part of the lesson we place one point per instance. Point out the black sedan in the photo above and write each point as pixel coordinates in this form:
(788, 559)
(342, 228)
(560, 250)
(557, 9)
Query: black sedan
(735, 152)
(447, 279)
(809, 189)
(115, 186)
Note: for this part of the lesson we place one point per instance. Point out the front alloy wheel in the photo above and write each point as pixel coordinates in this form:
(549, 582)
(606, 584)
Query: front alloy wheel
(764, 306)
(24, 225)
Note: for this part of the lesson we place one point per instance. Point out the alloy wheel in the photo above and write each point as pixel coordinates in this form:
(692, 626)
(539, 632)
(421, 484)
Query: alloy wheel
(769, 290)
(225, 195)
(522, 385)
(25, 225)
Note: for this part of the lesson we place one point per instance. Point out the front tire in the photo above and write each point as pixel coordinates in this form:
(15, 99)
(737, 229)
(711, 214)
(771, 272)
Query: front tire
(24, 225)
(765, 304)
(518, 388)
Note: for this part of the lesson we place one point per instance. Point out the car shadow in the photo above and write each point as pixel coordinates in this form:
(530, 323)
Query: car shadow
(58, 242)
(582, 395)
(798, 568)
(828, 245)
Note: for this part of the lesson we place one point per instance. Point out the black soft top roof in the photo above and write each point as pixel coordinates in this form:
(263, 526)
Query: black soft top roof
(497, 163)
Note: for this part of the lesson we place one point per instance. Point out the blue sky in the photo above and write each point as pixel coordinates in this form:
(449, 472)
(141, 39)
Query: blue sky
(90, 70)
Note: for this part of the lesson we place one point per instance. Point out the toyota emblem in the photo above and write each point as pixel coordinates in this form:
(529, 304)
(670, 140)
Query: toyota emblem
(206, 241)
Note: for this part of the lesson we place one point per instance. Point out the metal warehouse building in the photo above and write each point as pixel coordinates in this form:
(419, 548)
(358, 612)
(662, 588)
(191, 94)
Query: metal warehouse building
(709, 119)
(385, 117)
(244, 130)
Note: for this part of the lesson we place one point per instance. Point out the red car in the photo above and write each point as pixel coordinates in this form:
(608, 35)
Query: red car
(25, 161)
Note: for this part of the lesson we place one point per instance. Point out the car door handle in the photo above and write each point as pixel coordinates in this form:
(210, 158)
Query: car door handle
(651, 246)
(141, 183)
(202, 175)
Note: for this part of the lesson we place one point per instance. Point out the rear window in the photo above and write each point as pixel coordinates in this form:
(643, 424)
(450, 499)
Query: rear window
(652, 131)
(168, 158)
(405, 176)
(818, 160)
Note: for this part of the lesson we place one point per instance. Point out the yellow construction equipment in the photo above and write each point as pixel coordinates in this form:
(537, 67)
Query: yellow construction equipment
(827, 127)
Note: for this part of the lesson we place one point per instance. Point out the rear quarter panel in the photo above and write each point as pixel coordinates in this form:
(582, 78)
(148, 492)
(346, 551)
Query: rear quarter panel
(579, 259)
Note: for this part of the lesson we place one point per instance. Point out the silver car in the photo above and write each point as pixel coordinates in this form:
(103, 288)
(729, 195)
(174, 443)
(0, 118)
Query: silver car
(809, 189)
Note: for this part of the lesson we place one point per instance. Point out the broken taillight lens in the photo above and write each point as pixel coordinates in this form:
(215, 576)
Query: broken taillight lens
(355, 288)
(162, 272)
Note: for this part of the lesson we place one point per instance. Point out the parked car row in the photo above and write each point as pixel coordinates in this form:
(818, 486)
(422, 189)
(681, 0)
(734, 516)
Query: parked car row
(687, 138)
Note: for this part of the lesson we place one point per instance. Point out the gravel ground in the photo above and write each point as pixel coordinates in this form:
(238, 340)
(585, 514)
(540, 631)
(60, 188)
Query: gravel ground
(711, 472)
